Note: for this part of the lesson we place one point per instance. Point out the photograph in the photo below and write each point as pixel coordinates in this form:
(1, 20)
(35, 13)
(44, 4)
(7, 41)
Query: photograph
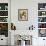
(23, 14)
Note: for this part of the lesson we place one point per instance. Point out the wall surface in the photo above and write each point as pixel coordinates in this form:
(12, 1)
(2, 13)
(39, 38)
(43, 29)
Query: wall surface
(32, 13)
(32, 6)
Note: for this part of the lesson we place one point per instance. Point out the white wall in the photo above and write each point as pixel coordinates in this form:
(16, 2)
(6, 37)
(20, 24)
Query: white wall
(32, 13)
(32, 6)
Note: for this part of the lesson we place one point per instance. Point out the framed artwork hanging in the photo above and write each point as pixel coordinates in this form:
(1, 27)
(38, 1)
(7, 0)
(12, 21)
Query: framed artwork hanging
(23, 14)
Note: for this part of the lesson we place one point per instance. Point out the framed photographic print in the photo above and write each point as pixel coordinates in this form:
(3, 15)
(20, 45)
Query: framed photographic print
(23, 14)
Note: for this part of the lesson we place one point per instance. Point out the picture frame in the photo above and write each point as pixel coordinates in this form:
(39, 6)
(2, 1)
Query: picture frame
(23, 14)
